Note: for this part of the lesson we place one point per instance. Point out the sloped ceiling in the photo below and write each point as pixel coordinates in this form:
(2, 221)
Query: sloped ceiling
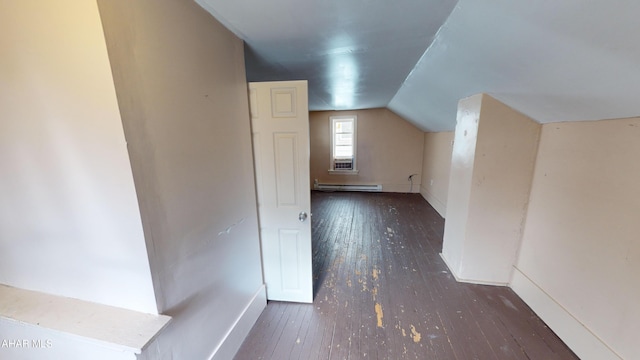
(552, 60)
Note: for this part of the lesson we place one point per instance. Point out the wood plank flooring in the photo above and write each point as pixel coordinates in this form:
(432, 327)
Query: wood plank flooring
(383, 292)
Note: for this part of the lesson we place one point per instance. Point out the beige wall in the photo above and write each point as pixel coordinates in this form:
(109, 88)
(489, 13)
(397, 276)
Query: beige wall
(491, 170)
(436, 165)
(581, 244)
(389, 150)
(579, 253)
(181, 86)
(69, 218)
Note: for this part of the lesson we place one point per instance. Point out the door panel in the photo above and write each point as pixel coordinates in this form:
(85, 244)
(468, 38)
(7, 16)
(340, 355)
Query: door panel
(280, 126)
(286, 174)
(290, 259)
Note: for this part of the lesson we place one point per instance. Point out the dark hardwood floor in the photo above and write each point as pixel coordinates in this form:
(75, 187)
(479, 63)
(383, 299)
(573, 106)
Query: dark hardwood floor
(383, 292)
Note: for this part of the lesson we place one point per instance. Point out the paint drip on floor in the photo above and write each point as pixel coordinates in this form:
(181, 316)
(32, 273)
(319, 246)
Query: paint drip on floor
(390, 232)
(379, 314)
(415, 335)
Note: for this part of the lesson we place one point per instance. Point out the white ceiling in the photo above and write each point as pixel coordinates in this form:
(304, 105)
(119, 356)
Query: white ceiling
(552, 60)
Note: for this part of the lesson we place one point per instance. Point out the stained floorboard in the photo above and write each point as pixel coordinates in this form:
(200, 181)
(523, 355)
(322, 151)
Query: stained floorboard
(383, 292)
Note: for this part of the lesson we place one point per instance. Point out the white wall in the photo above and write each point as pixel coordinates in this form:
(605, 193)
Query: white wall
(460, 178)
(69, 218)
(492, 166)
(580, 255)
(182, 91)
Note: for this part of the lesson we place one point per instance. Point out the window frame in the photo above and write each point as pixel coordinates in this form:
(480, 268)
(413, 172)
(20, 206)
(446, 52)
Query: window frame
(332, 134)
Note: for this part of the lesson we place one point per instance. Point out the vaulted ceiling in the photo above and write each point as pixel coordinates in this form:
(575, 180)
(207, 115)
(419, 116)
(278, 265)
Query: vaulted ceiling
(563, 60)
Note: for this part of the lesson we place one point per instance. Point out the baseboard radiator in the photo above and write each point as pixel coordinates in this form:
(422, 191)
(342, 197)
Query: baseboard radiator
(346, 187)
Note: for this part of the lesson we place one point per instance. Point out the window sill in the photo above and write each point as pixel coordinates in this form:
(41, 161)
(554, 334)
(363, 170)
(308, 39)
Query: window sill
(343, 172)
(102, 325)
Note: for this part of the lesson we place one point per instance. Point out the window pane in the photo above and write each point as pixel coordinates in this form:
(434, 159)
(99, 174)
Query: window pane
(343, 151)
(344, 126)
(343, 139)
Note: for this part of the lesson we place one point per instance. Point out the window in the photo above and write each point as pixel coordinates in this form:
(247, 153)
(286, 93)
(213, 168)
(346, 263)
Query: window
(343, 145)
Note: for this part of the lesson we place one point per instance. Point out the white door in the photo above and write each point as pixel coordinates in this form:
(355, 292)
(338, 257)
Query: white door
(280, 126)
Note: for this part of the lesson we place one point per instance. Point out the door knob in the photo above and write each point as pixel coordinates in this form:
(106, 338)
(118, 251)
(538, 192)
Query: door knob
(302, 216)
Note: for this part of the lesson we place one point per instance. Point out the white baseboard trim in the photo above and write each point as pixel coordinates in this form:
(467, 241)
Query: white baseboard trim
(575, 334)
(240, 329)
(470, 281)
(440, 207)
